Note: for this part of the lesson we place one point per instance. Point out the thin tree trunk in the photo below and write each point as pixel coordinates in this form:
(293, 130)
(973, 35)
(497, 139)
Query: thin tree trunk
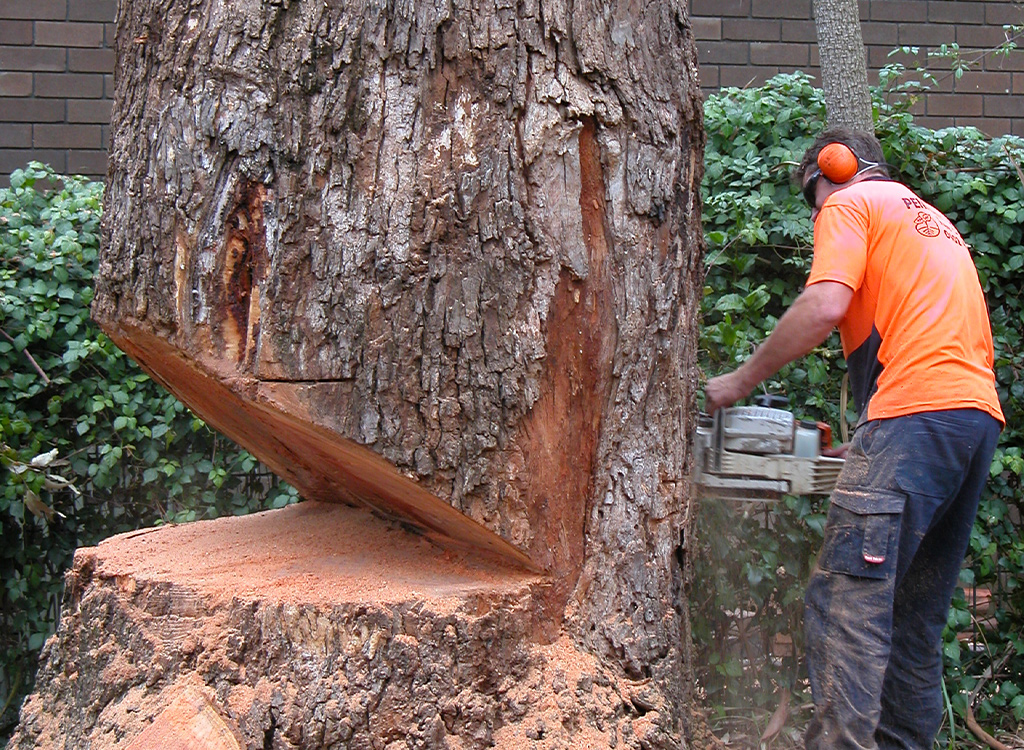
(843, 59)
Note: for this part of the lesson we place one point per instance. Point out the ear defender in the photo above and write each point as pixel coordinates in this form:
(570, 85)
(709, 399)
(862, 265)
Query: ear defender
(838, 163)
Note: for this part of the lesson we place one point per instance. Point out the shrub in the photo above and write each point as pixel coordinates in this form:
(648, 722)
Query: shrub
(754, 562)
(91, 446)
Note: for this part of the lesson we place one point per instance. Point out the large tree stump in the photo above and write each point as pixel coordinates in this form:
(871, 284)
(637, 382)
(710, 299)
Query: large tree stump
(441, 259)
(317, 626)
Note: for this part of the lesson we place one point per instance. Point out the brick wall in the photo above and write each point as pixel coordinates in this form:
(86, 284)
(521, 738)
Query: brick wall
(745, 42)
(56, 83)
(57, 59)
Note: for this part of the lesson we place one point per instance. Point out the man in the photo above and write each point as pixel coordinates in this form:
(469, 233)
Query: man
(893, 273)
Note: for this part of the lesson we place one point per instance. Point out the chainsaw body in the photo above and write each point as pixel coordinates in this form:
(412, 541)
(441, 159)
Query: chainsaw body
(760, 453)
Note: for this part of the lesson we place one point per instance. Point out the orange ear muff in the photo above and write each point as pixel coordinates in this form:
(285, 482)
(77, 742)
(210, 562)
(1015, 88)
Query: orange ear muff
(838, 163)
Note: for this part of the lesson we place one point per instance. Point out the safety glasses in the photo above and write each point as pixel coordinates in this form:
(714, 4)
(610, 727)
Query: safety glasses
(811, 189)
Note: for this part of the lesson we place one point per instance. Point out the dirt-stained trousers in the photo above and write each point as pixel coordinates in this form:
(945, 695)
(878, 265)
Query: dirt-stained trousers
(898, 527)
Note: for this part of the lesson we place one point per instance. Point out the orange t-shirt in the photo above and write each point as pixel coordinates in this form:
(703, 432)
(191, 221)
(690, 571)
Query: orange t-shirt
(917, 336)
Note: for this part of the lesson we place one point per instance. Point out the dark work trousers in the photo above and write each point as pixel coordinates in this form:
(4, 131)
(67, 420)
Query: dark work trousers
(876, 604)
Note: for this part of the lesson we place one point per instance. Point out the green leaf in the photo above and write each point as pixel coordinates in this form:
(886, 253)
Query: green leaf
(1017, 705)
(951, 651)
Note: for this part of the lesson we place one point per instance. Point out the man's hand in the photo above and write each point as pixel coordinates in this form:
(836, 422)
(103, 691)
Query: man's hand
(725, 390)
(839, 451)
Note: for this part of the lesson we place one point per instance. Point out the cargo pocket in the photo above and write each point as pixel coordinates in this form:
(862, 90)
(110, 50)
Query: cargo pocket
(862, 533)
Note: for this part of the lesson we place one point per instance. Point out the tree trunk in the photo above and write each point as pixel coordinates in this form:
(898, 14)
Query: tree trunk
(443, 260)
(843, 60)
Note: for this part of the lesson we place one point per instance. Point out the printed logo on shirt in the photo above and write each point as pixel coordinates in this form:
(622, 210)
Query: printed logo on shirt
(926, 225)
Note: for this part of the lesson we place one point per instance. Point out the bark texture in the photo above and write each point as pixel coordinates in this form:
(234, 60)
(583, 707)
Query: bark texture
(844, 68)
(434, 257)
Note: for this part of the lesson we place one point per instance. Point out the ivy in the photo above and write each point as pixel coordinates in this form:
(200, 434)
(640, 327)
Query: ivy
(754, 562)
(89, 445)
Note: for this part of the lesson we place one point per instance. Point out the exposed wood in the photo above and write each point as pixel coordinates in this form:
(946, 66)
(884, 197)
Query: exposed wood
(315, 460)
(191, 722)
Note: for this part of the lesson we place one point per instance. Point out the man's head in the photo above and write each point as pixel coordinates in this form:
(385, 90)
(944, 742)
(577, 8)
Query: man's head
(838, 156)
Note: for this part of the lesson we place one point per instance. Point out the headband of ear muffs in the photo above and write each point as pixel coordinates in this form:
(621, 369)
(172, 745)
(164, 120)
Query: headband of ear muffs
(839, 164)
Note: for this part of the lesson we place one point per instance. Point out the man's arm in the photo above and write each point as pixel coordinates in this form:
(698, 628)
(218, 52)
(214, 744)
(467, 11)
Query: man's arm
(807, 323)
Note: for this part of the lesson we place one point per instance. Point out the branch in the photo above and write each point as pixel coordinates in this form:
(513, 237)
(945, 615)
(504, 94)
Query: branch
(1020, 173)
(982, 54)
(972, 723)
(981, 734)
(31, 359)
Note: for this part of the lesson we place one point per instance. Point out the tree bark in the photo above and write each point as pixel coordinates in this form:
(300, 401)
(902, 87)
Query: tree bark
(442, 259)
(843, 60)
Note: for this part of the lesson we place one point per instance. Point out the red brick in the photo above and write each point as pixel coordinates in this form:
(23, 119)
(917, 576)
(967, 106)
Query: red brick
(16, 32)
(925, 34)
(795, 55)
(64, 85)
(881, 56)
(744, 77)
(33, 58)
(15, 84)
(985, 82)
(11, 159)
(709, 79)
(955, 12)
(108, 86)
(981, 37)
(880, 33)
(1004, 105)
(67, 136)
(31, 110)
(732, 53)
(717, 8)
(992, 127)
(16, 136)
(900, 11)
(944, 81)
(34, 10)
(798, 9)
(92, 10)
(1017, 128)
(89, 163)
(706, 28)
(1012, 61)
(91, 60)
(1018, 83)
(749, 30)
(90, 110)
(934, 123)
(1001, 13)
(109, 34)
(955, 105)
(800, 31)
(64, 34)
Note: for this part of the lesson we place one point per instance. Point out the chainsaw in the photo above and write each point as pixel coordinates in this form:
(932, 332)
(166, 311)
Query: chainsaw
(760, 453)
